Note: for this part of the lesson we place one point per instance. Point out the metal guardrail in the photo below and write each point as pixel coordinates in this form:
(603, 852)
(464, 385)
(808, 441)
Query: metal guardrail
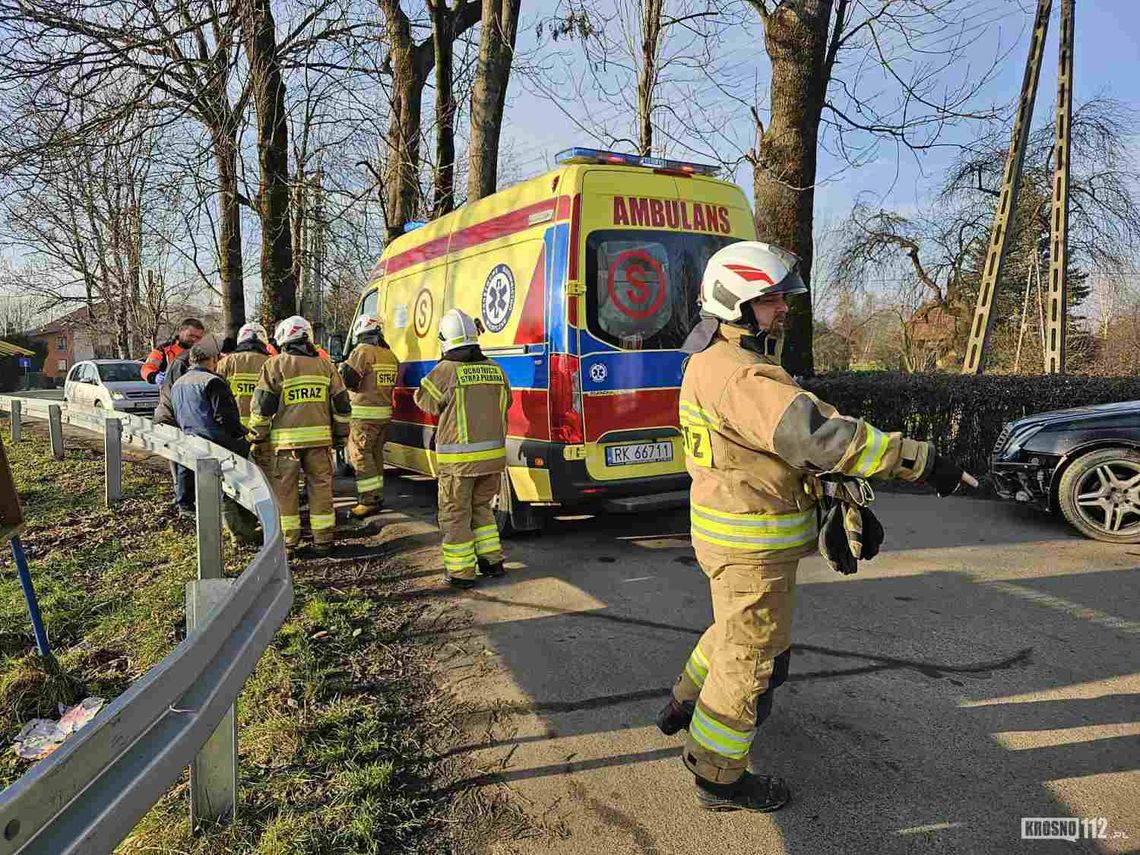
(88, 795)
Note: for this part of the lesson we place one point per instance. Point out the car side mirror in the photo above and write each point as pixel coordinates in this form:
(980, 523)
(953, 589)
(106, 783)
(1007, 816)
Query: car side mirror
(336, 347)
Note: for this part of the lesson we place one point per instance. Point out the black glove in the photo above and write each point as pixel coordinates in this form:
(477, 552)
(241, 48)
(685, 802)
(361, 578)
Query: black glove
(833, 543)
(945, 476)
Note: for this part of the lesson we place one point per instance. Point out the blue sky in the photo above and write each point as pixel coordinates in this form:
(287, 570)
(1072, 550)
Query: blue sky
(1107, 63)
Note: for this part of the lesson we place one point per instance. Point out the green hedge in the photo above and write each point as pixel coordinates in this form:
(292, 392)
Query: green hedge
(963, 415)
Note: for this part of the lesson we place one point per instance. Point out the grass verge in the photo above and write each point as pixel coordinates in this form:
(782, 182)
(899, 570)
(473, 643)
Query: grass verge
(334, 722)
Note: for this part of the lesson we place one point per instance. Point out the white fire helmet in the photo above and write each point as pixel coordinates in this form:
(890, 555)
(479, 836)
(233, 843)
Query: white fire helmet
(366, 324)
(744, 271)
(457, 329)
(293, 329)
(253, 331)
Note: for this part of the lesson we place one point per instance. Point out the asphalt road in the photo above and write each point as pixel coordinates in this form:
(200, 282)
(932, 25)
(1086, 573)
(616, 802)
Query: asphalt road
(984, 668)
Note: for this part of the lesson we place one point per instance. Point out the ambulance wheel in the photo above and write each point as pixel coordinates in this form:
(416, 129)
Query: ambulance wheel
(513, 516)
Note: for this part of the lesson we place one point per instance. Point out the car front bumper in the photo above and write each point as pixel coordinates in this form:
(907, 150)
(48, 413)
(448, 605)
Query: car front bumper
(1029, 483)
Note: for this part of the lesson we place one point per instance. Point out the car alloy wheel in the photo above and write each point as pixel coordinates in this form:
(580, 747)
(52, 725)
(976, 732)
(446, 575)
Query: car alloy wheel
(1100, 495)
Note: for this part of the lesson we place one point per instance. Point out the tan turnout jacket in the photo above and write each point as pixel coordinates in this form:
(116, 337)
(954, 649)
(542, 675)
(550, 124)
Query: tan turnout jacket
(370, 373)
(754, 442)
(300, 402)
(471, 400)
(241, 370)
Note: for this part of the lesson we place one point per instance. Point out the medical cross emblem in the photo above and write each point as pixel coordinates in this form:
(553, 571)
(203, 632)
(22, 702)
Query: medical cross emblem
(598, 372)
(498, 298)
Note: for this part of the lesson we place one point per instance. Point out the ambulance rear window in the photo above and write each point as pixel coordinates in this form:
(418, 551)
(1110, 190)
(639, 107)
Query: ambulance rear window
(642, 286)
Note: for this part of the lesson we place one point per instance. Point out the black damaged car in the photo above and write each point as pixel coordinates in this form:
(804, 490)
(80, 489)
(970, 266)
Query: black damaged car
(1083, 462)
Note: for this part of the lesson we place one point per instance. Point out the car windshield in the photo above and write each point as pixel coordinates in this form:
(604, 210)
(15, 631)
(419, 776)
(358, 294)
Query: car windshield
(119, 372)
(642, 286)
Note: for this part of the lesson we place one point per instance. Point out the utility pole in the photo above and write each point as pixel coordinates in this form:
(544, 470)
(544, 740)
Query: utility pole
(983, 321)
(1057, 318)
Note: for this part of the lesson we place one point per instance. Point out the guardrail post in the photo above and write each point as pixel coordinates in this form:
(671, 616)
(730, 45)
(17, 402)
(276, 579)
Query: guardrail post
(55, 430)
(16, 426)
(208, 500)
(213, 773)
(113, 451)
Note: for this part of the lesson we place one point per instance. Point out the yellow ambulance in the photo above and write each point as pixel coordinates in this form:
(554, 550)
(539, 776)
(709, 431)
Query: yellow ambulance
(586, 280)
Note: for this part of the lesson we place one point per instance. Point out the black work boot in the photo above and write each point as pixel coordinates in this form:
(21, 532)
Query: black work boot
(323, 550)
(758, 793)
(495, 570)
(458, 581)
(675, 716)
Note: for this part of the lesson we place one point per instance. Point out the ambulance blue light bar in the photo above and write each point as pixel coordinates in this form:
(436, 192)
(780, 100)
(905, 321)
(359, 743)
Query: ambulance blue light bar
(595, 155)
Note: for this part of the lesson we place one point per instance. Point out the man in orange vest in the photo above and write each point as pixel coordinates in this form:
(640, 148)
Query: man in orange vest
(190, 332)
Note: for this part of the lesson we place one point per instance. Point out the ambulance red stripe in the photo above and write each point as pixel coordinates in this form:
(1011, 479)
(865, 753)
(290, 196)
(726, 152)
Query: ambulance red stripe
(638, 408)
(501, 226)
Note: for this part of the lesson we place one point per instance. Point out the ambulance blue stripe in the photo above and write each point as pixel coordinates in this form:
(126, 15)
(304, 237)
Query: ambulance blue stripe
(524, 371)
(655, 369)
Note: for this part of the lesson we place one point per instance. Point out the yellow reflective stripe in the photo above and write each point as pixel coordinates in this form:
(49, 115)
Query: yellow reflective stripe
(368, 411)
(471, 456)
(306, 380)
(752, 531)
(461, 414)
(487, 539)
(367, 485)
(431, 389)
(459, 556)
(504, 403)
(459, 548)
(318, 433)
(290, 523)
(246, 421)
(694, 415)
(319, 522)
(719, 738)
(874, 447)
(337, 417)
(697, 667)
(256, 418)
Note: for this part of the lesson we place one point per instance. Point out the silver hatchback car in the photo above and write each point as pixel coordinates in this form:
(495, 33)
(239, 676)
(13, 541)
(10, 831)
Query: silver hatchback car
(111, 383)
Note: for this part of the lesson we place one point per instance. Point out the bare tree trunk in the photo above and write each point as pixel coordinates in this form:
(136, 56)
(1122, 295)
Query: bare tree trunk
(443, 200)
(224, 138)
(647, 73)
(278, 280)
(500, 22)
(410, 64)
(796, 37)
(409, 68)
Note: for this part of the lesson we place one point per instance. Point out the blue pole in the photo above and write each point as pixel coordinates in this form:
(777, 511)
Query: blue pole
(30, 598)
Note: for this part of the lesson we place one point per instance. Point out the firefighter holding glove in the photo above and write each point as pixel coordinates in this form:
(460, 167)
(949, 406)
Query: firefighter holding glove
(300, 407)
(470, 395)
(370, 374)
(754, 442)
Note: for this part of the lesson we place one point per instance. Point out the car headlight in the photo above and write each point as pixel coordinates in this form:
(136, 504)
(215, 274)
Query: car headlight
(1018, 439)
(117, 396)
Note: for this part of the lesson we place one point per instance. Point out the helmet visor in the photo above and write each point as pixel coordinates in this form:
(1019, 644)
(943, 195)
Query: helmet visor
(793, 283)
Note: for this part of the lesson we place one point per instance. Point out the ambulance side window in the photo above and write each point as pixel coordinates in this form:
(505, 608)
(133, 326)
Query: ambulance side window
(367, 307)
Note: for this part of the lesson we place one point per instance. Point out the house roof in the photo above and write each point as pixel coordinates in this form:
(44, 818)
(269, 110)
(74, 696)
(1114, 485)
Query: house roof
(72, 319)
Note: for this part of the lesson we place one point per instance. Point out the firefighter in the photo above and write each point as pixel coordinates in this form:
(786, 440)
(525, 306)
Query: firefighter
(756, 444)
(369, 373)
(242, 366)
(470, 395)
(190, 331)
(300, 407)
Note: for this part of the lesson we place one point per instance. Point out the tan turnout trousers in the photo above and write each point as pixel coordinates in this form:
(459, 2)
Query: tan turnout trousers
(317, 464)
(733, 663)
(366, 454)
(468, 523)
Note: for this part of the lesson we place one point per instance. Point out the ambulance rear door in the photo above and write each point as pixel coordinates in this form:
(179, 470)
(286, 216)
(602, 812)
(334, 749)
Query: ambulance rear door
(646, 237)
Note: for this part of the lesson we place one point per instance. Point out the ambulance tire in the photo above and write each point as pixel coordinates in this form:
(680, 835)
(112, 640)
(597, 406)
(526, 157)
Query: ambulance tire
(514, 516)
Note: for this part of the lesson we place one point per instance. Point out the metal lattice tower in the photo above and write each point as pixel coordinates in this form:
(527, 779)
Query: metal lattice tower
(983, 321)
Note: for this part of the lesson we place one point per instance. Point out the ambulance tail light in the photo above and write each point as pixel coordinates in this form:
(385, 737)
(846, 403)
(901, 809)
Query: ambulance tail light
(565, 400)
(595, 155)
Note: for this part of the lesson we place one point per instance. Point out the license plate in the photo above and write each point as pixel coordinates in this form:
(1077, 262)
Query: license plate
(642, 452)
